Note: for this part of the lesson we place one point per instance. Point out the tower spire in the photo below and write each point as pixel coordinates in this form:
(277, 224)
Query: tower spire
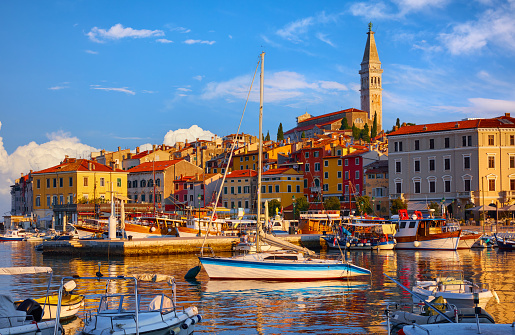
(371, 77)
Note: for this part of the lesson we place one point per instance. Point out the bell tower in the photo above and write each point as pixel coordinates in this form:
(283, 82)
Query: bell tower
(371, 75)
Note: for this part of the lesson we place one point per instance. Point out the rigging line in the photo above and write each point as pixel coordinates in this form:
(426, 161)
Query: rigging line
(228, 162)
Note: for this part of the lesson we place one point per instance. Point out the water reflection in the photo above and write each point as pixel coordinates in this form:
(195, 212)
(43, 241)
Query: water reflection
(261, 307)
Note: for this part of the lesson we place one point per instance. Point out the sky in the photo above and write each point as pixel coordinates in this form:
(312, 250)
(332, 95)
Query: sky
(81, 76)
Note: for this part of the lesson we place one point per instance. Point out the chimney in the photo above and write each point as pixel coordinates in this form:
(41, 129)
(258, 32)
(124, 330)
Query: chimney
(137, 150)
(403, 124)
(30, 171)
(507, 114)
(90, 166)
(153, 147)
(22, 174)
(119, 148)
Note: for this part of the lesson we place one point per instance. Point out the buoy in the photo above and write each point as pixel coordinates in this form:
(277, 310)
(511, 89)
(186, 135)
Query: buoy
(416, 244)
(348, 245)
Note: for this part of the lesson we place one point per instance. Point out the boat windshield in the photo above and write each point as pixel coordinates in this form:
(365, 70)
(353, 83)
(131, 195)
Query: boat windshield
(126, 303)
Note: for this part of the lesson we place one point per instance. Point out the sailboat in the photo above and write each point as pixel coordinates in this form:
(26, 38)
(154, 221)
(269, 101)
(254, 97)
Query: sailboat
(287, 264)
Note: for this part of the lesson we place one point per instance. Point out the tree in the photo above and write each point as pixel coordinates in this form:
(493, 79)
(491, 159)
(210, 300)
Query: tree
(396, 205)
(373, 131)
(273, 205)
(280, 134)
(398, 123)
(436, 207)
(355, 132)
(345, 124)
(332, 203)
(363, 205)
(267, 138)
(301, 205)
(303, 135)
(365, 133)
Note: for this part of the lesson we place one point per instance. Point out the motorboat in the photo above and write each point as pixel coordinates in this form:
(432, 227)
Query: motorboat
(469, 239)
(418, 232)
(70, 303)
(505, 241)
(459, 329)
(14, 235)
(133, 313)
(26, 318)
(454, 289)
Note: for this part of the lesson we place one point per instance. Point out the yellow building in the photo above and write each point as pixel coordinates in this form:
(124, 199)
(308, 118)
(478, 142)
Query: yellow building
(75, 181)
(332, 177)
(282, 184)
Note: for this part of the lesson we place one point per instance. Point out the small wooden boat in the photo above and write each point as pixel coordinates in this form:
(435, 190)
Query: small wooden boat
(505, 241)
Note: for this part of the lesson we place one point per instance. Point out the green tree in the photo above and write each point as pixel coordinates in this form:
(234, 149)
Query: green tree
(280, 134)
(345, 124)
(396, 205)
(436, 207)
(303, 135)
(332, 203)
(267, 138)
(273, 205)
(398, 123)
(373, 131)
(363, 205)
(356, 132)
(301, 205)
(365, 133)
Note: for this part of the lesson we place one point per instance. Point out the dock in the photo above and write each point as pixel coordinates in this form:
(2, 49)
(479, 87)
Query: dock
(160, 246)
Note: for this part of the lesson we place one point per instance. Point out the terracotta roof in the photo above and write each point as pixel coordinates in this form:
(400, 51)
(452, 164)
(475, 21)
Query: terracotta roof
(73, 164)
(301, 128)
(498, 122)
(154, 166)
(141, 154)
(331, 114)
(242, 173)
(279, 171)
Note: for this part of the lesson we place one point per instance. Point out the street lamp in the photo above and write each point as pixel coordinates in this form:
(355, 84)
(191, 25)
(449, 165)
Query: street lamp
(293, 204)
(373, 206)
(199, 231)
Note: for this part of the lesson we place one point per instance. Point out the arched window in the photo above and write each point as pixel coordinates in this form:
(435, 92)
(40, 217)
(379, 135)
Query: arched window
(150, 183)
(134, 183)
(128, 184)
(142, 183)
(317, 182)
(158, 182)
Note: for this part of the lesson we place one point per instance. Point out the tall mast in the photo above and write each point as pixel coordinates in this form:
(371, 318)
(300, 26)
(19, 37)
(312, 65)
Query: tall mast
(260, 153)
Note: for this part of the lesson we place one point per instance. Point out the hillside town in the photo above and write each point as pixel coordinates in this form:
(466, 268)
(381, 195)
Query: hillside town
(342, 160)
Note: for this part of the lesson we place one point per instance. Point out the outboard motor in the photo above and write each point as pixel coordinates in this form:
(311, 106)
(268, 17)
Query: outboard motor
(32, 308)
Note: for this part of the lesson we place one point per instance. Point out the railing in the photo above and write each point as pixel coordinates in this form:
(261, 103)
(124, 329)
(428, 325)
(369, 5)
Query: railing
(465, 195)
(396, 196)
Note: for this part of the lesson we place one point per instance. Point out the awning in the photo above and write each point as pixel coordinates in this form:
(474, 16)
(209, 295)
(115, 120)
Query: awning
(25, 270)
(480, 208)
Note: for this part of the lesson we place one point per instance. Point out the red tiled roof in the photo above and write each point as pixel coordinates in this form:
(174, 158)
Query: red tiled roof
(498, 122)
(331, 114)
(73, 164)
(154, 166)
(242, 173)
(141, 154)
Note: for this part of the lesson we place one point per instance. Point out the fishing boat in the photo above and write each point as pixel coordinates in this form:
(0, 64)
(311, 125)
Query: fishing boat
(362, 234)
(319, 221)
(505, 241)
(417, 232)
(26, 318)
(134, 313)
(14, 235)
(452, 286)
(291, 264)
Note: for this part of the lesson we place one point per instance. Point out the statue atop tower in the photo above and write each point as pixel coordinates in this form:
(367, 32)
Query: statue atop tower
(371, 75)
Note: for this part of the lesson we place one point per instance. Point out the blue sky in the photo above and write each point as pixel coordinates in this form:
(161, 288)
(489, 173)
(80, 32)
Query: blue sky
(80, 75)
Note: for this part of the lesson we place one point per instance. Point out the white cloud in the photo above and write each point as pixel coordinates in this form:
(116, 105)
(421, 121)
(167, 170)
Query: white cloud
(164, 41)
(293, 30)
(91, 52)
(230, 36)
(199, 78)
(191, 134)
(323, 38)
(482, 107)
(406, 6)
(35, 157)
(494, 26)
(56, 88)
(181, 30)
(183, 89)
(279, 86)
(115, 89)
(149, 92)
(371, 10)
(199, 42)
(117, 32)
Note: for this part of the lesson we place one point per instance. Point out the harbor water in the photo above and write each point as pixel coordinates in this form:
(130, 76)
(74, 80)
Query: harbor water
(261, 307)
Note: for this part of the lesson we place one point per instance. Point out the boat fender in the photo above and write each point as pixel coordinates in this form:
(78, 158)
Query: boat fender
(187, 324)
(496, 297)
(348, 245)
(152, 229)
(416, 244)
(196, 319)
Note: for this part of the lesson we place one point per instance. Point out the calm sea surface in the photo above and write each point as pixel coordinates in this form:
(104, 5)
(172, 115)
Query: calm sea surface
(257, 307)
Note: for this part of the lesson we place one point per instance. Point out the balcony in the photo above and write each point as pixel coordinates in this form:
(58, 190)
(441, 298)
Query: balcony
(315, 189)
(507, 195)
(396, 196)
(467, 195)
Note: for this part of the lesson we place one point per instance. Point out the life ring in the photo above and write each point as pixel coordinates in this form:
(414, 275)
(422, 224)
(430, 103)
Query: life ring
(152, 229)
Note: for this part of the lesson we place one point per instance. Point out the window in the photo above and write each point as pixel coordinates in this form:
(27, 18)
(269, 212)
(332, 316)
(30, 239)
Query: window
(307, 167)
(464, 141)
(326, 175)
(305, 183)
(378, 192)
(70, 181)
(246, 189)
(466, 162)
(339, 162)
(346, 189)
(135, 184)
(417, 145)
(447, 142)
(239, 189)
(38, 183)
(289, 188)
(326, 163)
(339, 174)
(417, 186)
(512, 184)
(357, 161)
(447, 184)
(346, 162)
(491, 162)
(232, 204)
(263, 189)
(431, 143)
(48, 200)
(491, 184)
(54, 200)
(246, 204)
(491, 140)
(339, 187)
(326, 187)
(297, 188)
(306, 155)
(397, 167)
(142, 183)
(398, 187)
(85, 181)
(54, 182)
(48, 183)
(315, 154)
(158, 182)
(102, 182)
(396, 146)
(338, 152)
(232, 189)
(512, 140)
(412, 224)
(38, 200)
(60, 182)
(276, 188)
(150, 197)
(142, 198)
(417, 165)
(512, 163)
(469, 140)
(432, 164)
(432, 186)
(467, 185)
(346, 175)
(357, 188)
(270, 189)
(446, 163)
(225, 189)
(317, 167)
(357, 174)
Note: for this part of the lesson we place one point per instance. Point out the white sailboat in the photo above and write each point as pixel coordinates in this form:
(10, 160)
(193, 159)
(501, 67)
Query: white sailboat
(281, 265)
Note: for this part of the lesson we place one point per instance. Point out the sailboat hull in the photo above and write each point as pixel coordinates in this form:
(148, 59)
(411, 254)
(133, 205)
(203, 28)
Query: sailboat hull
(254, 269)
